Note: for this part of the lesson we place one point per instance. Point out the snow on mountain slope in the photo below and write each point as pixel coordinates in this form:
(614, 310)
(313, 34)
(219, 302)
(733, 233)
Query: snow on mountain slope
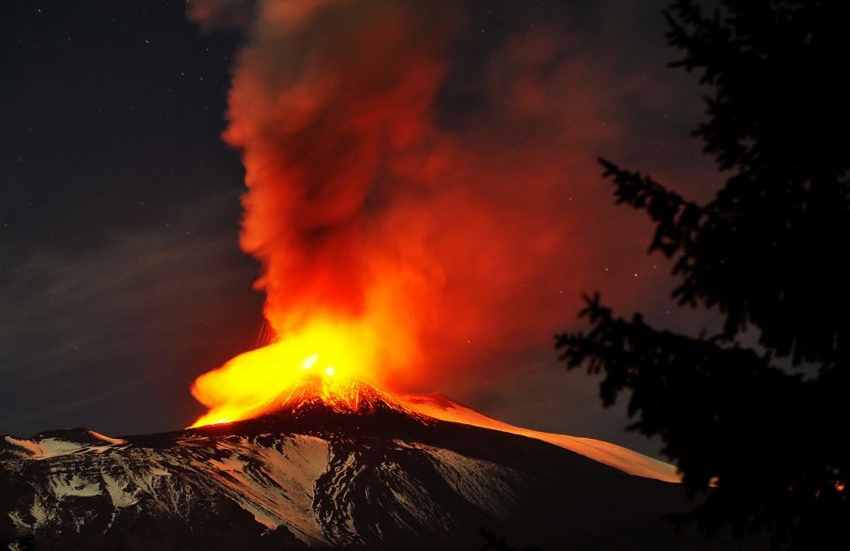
(323, 491)
(356, 395)
(51, 444)
(369, 471)
(626, 460)
(274, 483)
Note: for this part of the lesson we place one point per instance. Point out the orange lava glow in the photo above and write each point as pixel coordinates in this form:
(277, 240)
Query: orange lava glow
(405, 239)
(247, 385)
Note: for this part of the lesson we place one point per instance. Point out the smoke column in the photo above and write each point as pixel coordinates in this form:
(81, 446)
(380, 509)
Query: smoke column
(414, 179)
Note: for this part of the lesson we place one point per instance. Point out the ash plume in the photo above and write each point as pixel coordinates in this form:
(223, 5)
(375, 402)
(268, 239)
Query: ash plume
(408, 172)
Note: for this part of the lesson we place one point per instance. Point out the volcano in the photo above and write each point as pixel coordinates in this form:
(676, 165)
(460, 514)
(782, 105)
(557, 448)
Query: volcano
(368, 470)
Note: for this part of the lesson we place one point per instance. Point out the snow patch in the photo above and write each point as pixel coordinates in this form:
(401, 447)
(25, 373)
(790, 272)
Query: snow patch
(52, 447)
(39, 513)
(17, 521)
(118, 493)
(276, 485)
(486, 485)
(64, 485)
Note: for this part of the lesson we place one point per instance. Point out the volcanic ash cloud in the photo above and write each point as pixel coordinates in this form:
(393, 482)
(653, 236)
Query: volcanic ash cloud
(409, 177)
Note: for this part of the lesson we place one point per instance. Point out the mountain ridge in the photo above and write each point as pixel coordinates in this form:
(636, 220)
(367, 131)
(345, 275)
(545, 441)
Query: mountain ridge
(351, 396)
(314, 475)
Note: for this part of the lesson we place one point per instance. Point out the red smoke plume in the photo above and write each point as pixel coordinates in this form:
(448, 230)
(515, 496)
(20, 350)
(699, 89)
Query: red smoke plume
(431, 235)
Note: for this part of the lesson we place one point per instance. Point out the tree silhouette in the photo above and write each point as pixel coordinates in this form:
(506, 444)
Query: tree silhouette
(765, 423)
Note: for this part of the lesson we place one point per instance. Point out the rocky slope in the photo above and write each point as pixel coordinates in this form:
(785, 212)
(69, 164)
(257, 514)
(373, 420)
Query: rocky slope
(368, 472)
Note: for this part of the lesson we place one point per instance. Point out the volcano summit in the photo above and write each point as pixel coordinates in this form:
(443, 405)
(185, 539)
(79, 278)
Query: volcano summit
(365, 470)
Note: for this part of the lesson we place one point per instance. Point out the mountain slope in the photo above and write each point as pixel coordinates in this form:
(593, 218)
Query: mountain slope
(370, 472)
(626, 460)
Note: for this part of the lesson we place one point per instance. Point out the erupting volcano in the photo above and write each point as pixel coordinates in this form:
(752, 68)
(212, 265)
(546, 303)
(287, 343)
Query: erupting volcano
(398, 250)
(395, 252)
(271, 247)
(397, 246)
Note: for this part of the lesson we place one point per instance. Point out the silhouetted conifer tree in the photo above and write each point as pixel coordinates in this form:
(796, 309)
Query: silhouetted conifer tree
(765, 422)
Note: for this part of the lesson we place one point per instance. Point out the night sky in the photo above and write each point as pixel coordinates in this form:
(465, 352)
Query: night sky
(121, 275)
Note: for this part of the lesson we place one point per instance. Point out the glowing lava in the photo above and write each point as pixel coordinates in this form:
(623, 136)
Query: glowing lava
(249, 384)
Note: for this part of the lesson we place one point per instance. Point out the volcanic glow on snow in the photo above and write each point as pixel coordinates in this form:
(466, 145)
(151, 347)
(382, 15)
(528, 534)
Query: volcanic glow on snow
(247, 385)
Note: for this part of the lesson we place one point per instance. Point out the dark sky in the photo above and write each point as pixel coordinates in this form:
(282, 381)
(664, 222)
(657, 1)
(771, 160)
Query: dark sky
(121, 278)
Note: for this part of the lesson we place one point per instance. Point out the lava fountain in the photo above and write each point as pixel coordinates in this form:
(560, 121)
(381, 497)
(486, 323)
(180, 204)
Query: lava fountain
(325, 352)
